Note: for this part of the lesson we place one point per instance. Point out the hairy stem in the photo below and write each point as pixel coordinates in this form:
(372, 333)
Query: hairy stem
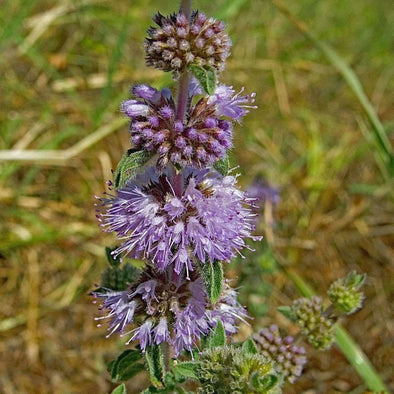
(185, 8)
(182, 100)
(183, 93)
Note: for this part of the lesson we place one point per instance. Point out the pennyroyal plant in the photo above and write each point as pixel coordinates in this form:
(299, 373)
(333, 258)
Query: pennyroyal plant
(176, 205)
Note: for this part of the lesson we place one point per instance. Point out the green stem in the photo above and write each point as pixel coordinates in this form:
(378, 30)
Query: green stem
(349, 348)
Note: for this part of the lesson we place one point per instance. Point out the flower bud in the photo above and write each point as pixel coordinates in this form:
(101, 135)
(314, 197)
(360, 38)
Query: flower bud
(344, 295)
(315, 325)
(228, 369)
(177, 42)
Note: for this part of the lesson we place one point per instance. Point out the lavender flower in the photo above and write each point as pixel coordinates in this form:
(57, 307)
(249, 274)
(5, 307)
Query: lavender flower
(289, 359)
(165, 307)
(208, 220)
(229, 104)
(177, 42)
(199, 140)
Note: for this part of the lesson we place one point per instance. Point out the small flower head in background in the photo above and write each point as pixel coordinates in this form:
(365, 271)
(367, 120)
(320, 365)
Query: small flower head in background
(165, 307)
(177, 42)
(344, 294)
(310, 316)
(263, 193)
(208, 221)
(288, 358)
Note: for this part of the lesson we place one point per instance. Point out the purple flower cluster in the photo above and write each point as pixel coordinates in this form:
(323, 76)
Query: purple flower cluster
(209, 220)
(199, 140)
(180, 213)
(165, 307)
(178, 42)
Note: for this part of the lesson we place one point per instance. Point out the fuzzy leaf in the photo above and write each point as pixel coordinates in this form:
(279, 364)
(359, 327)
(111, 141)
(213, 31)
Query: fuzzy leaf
(205, 76)
(120, 389)
(287, 312)
(155, 361)
(151, 390)
(125, 366)
(129, 166)
(222, 166)
(212, 274)
(218, 337)
(249, 347)
(268, 382)
(186, 369)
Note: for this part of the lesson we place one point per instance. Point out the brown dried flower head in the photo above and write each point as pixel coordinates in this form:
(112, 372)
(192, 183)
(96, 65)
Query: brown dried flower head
(178, 42)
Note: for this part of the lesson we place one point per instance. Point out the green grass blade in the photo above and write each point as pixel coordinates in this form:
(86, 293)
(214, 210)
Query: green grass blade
(379, 135)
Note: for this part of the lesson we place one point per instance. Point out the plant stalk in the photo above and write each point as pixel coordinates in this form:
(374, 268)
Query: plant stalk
(186, 8)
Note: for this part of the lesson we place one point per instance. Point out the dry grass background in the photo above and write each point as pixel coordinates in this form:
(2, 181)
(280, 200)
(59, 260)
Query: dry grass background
(65, 67)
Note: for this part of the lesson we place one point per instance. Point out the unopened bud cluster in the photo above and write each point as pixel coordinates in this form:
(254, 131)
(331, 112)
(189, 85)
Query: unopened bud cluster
(227, 369)
(178, 42)
(289, 359)
(315, 325)
(344, 294)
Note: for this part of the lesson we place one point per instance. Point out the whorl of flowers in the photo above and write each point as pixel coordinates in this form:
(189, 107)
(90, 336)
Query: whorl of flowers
(314, 323)
(166, 307)
(178, 42)
(289, 358)
(198, 140)
(209, 220)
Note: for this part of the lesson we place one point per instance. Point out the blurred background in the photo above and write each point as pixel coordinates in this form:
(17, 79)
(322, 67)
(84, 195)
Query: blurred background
(66, 66)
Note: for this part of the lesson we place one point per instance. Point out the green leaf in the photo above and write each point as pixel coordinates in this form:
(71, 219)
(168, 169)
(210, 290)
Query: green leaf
(249, 347)
(113, 262)
(287, 312)
(205, 76)
(212, 274)
(218, 337)
(269, 382)
(186, 369)
(354, 280)
(222, 166)
(120, 389)
(151, 390)
(155, 361)
(129, 166)
(125, 366)
(169, 381)
(110, 366)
